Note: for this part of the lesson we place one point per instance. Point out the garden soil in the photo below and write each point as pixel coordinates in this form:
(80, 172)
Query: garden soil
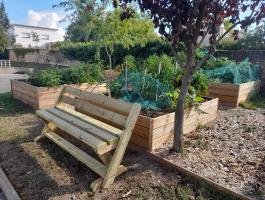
(230, 152)
(40, 171)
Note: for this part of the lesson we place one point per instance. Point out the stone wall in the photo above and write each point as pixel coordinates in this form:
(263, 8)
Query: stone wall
(42, 56)
(255, 56)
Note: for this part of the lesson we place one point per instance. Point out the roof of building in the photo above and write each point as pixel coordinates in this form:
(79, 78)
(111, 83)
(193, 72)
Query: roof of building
(46, 28)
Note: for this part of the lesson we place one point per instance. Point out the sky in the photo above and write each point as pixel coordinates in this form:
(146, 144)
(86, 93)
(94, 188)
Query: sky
(36, 13)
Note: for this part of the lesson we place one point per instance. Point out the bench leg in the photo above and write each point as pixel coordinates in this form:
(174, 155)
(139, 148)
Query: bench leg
(48, 127)
(96, 184)
(36, 139)
(105, 158)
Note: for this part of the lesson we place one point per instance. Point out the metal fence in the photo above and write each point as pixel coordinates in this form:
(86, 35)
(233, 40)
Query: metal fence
(5, 63)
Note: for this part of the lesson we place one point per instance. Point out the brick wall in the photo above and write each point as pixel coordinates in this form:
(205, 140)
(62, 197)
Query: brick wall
(255, 56)
(42, 56)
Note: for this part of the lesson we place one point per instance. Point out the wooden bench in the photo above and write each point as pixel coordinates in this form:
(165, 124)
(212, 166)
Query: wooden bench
(95, 129)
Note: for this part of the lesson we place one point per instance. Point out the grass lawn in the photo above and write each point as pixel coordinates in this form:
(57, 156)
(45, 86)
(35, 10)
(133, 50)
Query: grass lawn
(44, 171)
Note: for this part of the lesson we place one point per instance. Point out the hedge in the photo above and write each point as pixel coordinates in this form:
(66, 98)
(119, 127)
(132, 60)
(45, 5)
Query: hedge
(86, 52)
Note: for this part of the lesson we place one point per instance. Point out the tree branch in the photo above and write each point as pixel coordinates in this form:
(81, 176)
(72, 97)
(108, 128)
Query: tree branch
(205, 57)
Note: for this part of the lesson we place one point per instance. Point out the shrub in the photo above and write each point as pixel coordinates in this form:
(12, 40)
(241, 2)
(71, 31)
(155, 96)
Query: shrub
(167, 70)
(47, 78)
(200, 83)
(82, 73)
(86, 51)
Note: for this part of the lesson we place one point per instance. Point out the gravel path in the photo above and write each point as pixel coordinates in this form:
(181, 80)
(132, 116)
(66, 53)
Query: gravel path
(5, 81)
(230, 152)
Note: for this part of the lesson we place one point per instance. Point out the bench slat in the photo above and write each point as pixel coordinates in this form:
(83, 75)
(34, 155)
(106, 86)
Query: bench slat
(89, 161)
(119, 105)
(81, 135)
(111, 129)
(95, 110)
(99, 133)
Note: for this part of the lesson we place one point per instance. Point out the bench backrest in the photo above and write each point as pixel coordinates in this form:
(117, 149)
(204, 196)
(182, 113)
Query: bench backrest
(112, 111)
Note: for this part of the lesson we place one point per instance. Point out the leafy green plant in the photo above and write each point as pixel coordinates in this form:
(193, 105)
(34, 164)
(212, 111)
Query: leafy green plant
(173, 97)
(130, 61)
(77, 74)
(200, 83)
(82, 73)
(47, 78)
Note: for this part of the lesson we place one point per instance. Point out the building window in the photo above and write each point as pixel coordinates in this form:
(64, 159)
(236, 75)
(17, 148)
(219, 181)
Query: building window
(45, 37)
(25, 35)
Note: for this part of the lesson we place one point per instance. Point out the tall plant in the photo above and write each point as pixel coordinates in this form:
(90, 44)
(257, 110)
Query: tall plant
(4, 21)
(114, 31)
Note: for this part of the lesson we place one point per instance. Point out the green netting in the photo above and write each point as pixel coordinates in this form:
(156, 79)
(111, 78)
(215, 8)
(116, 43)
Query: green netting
(234, 73)
(141, 88)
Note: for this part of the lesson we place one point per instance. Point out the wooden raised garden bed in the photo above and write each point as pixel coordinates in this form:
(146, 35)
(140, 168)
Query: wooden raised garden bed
(151, 133)
(231, 94)
(46, 97)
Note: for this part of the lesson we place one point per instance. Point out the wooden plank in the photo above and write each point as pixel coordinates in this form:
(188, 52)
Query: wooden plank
(95, 110)
(95, 143)
(139, 141)
(24, 85)
(122, 145)
(141, 131)
(26, 95)
(225, 97)
(99, 133)
(89, 161)
(32, 91)
(47, 103)
(26, 101)
(156, 143)
(144, 121)
(100, 99)
(229, 86)
(24, 92)
(95, 122)
(7, 188)
(46, 90)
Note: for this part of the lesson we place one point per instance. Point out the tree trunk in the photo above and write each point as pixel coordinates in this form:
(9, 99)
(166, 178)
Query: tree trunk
(179, 112)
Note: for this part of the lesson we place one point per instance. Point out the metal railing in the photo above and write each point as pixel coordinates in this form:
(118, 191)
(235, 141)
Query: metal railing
(5, 63)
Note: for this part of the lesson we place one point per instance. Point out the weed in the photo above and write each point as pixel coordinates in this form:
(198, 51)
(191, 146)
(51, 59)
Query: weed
(168, 192)
(248, 105)
(10, 105)
(256, 101)
(201, 126)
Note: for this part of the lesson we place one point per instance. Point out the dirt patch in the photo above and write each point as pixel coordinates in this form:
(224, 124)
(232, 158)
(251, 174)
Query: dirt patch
(230, 152)
(44, 171)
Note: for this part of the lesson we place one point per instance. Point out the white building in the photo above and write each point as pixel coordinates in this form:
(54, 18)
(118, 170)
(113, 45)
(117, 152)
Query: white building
(23, 35)
(206, 41)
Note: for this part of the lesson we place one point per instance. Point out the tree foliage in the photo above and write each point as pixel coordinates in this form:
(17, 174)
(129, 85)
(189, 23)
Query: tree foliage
(254, 40)
(3, 39)
(4, 21)
(187, 21)
(4, 25)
